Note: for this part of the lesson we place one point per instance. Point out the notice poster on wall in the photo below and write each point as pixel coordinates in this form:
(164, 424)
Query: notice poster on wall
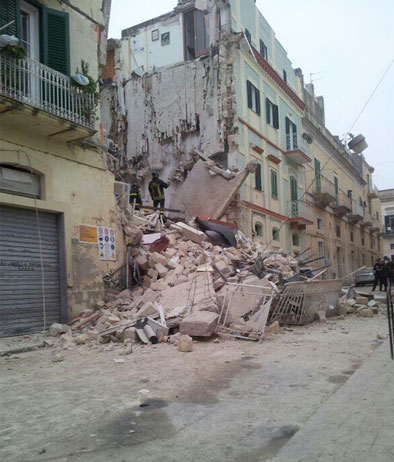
(107, 243)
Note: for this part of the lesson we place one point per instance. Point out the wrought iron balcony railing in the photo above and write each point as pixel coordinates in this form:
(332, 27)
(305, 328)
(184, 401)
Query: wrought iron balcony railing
(39, 86)
(291, 141)
(301, 209)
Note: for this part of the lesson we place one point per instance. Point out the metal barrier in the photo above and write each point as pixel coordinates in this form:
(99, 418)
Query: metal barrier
(250, 304)
(390, 318)
(300, 301)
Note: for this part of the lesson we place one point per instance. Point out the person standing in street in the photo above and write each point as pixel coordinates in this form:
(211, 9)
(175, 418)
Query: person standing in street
(377, 270)
(385, 274)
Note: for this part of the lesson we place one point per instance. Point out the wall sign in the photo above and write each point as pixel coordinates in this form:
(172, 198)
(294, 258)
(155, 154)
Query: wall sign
(107, 243)
(88, 234)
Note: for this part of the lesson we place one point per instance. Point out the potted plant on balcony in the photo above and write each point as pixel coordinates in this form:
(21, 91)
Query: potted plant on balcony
(86, 83)
(11, 47)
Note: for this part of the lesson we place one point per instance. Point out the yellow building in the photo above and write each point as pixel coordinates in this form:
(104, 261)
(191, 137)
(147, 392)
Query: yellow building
(53, 172)
(347, 224)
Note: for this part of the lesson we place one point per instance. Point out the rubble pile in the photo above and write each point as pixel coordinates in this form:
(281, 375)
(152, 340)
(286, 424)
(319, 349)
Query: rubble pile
(182, 283)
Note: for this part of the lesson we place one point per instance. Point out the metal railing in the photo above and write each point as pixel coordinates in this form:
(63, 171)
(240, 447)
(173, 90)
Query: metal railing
(37, 85)
(323, 186)
(301, 209)
(342, 200)
(291, 141)
(357, 209)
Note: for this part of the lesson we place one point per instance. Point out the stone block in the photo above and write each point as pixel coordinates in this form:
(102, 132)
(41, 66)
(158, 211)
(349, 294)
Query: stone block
(366, 313)
(82, 339)
(57, 329)
(129, 334)
(191, 233)
(185, 344)
(161, 270)
(274, 328)
(153, 274)
(199, 324)
(362, 300)
(148, 309)
(159, 286)
(351, 302)
(155, 258)
(142, 262)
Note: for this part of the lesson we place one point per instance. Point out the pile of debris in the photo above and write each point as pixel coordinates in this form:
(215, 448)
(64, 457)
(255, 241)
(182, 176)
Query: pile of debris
(186, 285)
(362, 305)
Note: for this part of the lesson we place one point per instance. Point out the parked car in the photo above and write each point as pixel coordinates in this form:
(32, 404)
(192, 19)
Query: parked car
(365, 276)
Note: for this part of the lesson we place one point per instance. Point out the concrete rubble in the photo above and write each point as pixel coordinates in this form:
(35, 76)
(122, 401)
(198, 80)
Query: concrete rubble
(184, 290)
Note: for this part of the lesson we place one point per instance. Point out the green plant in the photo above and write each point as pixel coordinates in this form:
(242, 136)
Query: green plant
(91, 87)
(15, 51)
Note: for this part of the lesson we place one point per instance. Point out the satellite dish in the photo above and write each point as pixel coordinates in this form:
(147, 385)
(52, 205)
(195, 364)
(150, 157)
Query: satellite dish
(358, 144)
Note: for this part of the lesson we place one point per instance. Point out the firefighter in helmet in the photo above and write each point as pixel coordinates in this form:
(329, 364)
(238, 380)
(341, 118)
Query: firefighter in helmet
(135, 196)
(156, 191)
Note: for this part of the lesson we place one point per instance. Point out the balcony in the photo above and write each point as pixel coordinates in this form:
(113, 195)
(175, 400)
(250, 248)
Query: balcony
(373, 193)
(323, 191)
(342, 204)
(300, 214)
(296, 151)
(29, 89)
(376, 226)
(357, 213)
(367, 221)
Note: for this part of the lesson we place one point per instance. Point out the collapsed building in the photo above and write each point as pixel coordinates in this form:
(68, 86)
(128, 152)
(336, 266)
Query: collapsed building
(211, 77)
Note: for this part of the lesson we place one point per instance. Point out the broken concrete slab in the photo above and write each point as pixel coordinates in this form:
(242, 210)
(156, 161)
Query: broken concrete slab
(274, 328)
(161, 270)
(366, 313)
(202, 194)
(199, 324)
(190, 233)
(362, 300)
(156, 257)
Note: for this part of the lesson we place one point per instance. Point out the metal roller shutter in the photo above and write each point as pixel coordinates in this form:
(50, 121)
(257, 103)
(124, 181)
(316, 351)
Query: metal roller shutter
(21, 293)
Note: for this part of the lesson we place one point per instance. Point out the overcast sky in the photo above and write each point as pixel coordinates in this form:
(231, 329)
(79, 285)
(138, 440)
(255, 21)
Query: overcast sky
(351, 42)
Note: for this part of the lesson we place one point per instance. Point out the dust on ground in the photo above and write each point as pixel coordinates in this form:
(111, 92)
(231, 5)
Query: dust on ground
(231, 400)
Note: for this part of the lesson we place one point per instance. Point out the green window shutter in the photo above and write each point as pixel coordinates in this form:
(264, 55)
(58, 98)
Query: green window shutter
(267, 110)
(274, 185)
(9, 11)
(56, 40)
(258, 182)
(276, 116)
(258, 109)
(249, 90)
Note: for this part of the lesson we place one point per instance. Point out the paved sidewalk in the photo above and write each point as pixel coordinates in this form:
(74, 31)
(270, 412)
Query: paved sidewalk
(356, 424)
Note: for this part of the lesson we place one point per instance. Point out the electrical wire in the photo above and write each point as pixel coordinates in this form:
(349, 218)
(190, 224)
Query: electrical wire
(44, 311)
(335, 150)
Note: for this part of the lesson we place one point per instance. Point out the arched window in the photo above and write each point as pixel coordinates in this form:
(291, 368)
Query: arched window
(275, 234)
(19, 181)
(258, 229)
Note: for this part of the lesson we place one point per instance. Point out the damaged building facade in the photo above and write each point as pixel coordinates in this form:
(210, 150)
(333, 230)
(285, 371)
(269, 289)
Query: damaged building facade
(347, 226)
(57, 203)
(210, 77)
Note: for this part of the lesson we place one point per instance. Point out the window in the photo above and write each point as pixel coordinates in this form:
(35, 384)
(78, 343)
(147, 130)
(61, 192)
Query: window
(360, 201)
(362, 241)
(274, 184)
(263, 50)
(275, 234)
(19, 181)
(248, 36)
(155, 35)
(338, 231)
(253, 97)
(29, 33)
(291, 135)
(284, 76)
(363, 259)
(389, 224)
(165, 39)
(377, 216)
(320, 248)
(296, 240)
(350, 194)
(196, 34)
(319, 224)
(293, 189)
(258, 178)
(391, 246)
(336, 187)
(258, 229)
(351, 236)
(272, 113)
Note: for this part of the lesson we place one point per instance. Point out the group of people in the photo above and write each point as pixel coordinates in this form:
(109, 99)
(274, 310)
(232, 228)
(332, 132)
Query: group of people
(156, 190)
(384, 273)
